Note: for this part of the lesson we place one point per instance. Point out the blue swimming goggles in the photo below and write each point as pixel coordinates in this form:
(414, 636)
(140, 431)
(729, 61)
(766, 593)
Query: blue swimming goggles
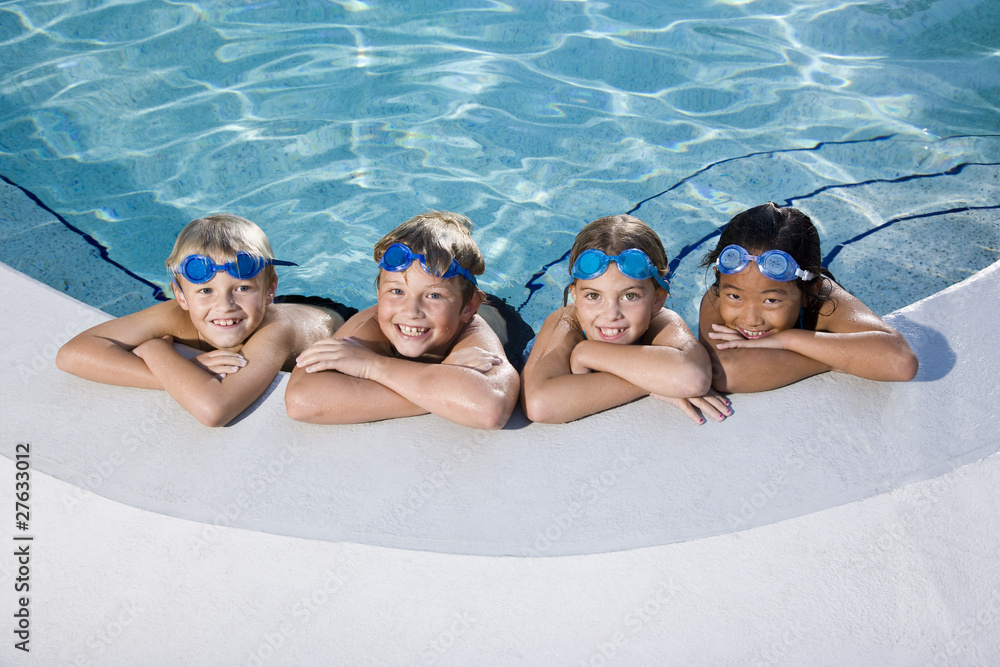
(200, 269)
(633, 263)
(398, 257)
(774, 264)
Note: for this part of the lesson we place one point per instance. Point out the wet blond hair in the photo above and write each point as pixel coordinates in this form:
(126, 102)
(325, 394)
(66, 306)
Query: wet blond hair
(221, 237)
(439, 236)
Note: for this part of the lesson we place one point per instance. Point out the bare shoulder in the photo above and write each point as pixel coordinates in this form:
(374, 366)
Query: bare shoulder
(845, 313)
(302, 325)
(667, 328)
(478, 333)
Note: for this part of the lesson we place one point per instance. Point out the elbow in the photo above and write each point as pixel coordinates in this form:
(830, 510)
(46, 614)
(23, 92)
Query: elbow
(212, 416)
(493, 414)
(538, 409)
(694, 381)
(299, 409)
(905, 366)
(493, 420)
(67, 360)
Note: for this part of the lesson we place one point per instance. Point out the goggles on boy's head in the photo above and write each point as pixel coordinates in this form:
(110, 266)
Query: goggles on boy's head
(633, 263)
(398, 257)
(774, 264)
(200, 269)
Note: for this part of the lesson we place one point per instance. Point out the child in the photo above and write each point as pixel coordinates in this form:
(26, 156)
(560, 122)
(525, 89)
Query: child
(421, 349)
(775, 316)
(224, 284)
(616, 342)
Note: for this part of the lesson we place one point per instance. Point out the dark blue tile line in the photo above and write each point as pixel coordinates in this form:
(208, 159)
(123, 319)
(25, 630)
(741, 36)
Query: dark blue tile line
(103, 251)
(957, 169)
(930, 214)
(532, 286)
(816, 147)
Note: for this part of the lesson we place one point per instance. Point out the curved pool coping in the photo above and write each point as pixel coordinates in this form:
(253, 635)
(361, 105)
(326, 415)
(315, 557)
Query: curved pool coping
(637, 476)
(639, 536)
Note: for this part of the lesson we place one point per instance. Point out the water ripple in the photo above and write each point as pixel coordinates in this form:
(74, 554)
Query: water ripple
(329, 123)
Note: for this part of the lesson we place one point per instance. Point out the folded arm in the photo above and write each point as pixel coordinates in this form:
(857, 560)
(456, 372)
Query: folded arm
(851, 339)
(103, 353)
(215, 398)
(552, 393)
(672, 365)
(350, 379)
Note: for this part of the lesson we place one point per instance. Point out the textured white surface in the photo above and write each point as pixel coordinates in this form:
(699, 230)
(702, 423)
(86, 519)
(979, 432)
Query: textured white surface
(832, 522)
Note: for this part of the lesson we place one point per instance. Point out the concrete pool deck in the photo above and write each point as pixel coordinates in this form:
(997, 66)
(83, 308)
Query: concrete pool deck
(835, 521)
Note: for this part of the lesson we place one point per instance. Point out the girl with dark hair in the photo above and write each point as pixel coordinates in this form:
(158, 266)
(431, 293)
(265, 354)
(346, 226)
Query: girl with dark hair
(774, 315)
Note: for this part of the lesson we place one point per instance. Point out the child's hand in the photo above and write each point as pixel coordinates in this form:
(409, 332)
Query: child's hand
(733, 339)
(712, 404)
(475, 358)
(345, 355)
(220, 363)
(576, 360)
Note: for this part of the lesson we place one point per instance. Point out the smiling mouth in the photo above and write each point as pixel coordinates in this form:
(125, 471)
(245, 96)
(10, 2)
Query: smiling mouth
(610, 333)
(412, 332)
(226, 323)
(752, 335)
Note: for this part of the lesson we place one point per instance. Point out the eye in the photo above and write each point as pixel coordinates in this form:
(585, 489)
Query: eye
(772, 301)
(435, 296)
(592, 296)
(244, 288)
(630, 296)
(733, 297)
(205, 291)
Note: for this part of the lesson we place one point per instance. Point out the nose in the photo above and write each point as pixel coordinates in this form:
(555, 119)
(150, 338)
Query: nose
(412, 307)
(224, 299)
(752, 316)
(612, 309)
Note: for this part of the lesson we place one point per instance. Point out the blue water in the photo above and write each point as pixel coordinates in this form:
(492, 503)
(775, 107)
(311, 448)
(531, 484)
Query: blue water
(328, 123)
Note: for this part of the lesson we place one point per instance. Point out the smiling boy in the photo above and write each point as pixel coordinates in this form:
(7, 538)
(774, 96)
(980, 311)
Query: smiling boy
(422, 349)
(224, 283)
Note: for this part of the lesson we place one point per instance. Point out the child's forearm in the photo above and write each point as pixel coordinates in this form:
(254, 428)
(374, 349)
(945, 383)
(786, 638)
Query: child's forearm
(746, 371)
(873, 355)
(658, 369)
(194, 389)
(102, 360)
(565, 398)
(330, 397)
(462, 395)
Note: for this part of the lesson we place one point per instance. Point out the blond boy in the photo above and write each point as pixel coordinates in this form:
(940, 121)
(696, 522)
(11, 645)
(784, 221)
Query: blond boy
(224, 284)
(423, 348)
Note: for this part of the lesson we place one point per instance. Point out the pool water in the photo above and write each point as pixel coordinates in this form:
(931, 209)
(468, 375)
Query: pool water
(328, 123)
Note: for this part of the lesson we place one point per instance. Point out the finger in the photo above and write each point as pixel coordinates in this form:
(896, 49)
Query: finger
(710, 410)
(688, 409)
(719, 403)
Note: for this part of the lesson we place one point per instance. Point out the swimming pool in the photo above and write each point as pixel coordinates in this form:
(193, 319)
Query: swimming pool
(329, 123)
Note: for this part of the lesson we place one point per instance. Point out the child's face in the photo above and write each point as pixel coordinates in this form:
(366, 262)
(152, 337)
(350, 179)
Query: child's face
(614, 308)
(226, 310)
(757, 306)
(421, 314)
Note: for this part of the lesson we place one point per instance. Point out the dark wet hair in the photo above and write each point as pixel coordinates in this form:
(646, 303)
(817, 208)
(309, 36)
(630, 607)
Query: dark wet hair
(771, 227)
